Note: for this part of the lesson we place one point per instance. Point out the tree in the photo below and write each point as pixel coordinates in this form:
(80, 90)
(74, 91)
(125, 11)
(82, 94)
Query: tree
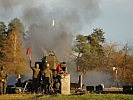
(14, 61)
(120, 59)
(2, 41)
(81, 47)
(89, 49)
(126, 64)
(96, 39)
(3, 28)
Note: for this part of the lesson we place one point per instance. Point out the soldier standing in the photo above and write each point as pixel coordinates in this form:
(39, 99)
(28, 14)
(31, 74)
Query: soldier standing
(19, 83)
(36, 73)
(47, 78)
(3, 80)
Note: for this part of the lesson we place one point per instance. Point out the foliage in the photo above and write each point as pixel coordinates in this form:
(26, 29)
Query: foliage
(95, 40)
(3, 28)
(14, 60)
(93, 53)
(120, 59)
(126, 67)
(2, 41)
(81, 45)
(17, 25)
(89, 49)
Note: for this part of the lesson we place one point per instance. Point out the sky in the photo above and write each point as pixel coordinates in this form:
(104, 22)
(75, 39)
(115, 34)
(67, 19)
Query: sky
(116, 20)
(80, 17)
(113, 16)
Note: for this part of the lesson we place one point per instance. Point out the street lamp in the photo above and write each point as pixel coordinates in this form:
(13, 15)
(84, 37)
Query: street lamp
(116, 76)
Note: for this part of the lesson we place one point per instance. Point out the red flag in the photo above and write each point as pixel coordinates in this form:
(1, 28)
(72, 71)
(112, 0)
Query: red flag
(58, 68)
(28, 51)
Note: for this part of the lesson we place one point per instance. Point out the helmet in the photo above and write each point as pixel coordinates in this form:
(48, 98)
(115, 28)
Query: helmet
(47, 65)
(19, 76)
(37, 65)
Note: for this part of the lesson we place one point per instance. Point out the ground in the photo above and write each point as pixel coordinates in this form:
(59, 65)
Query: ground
(86, 96)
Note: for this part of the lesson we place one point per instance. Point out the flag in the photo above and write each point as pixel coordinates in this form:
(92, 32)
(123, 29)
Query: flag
(28, 51)
(58, 68)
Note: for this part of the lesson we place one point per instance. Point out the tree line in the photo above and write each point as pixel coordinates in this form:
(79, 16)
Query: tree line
(91, 51)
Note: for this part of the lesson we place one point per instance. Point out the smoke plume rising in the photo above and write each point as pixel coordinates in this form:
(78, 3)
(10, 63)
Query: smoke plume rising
(71, 17)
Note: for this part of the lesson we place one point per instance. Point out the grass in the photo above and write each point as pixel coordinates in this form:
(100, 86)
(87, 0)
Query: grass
(86, 96)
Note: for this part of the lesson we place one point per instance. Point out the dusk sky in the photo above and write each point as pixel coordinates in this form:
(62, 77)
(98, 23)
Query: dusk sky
(115, 17)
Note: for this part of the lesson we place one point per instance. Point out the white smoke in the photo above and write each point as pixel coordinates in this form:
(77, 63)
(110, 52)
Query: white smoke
(70, 17)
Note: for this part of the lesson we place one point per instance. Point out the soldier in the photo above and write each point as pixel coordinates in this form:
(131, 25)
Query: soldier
(19, 83)
(3, 80)
(47, 78)
(36, 73)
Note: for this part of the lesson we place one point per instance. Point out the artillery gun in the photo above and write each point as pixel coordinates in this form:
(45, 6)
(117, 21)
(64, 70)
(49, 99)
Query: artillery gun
(62, 79)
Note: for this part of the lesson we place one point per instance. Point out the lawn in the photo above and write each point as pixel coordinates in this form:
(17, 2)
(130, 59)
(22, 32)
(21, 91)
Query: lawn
(86, 96)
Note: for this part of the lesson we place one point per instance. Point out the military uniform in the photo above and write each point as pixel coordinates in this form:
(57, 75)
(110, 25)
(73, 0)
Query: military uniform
(35, 82)
(3, 81)
(47, 79)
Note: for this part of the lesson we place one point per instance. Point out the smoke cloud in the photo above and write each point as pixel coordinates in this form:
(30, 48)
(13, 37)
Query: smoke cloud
(94, 78)
(91, 78)
(71, 17)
